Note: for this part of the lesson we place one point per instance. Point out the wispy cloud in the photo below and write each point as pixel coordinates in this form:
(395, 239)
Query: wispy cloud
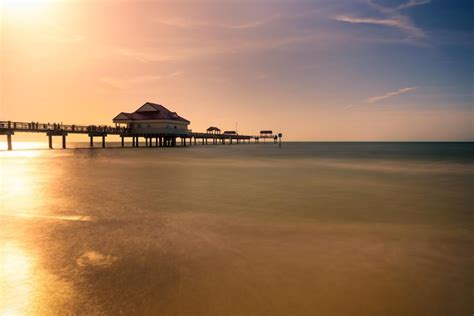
(254, 24)
(412, 3)
(122, 83)
(190, 24)
(387, 95)
(229, 46)
(390, 17)
(146, 57)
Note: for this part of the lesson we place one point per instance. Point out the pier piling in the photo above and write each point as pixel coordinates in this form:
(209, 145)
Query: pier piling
(9, 141)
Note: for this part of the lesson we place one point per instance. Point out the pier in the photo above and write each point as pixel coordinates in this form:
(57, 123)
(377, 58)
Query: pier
(156, 138)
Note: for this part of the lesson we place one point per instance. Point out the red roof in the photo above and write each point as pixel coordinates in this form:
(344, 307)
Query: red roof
(154, 112)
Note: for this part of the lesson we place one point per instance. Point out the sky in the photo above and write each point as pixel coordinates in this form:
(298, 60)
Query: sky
(314, 70)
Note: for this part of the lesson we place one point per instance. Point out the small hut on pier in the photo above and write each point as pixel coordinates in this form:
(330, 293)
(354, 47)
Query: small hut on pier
(213, 130)
(230, 133)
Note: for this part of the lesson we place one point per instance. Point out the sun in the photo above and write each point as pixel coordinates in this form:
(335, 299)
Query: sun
(23, 7)
(22, 3)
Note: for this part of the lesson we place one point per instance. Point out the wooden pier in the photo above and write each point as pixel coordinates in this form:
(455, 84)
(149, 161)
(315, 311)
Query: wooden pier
(158, 138)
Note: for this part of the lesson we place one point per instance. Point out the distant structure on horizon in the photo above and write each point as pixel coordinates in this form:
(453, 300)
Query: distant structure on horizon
(152, 118)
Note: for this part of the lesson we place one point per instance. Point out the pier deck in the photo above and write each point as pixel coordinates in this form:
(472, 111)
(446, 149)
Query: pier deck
(155, 138)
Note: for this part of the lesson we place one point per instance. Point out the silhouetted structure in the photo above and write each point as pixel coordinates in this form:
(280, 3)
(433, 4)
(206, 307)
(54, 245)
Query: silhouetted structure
(159, 127)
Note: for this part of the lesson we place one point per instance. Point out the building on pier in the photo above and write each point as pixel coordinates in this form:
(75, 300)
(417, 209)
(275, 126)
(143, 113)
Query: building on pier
(152, 118)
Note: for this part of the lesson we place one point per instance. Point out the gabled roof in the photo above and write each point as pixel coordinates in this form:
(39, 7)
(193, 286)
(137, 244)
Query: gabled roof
(150, 111)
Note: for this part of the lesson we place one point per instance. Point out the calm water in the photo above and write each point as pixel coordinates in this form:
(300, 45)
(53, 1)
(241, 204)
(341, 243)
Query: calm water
(311, 229)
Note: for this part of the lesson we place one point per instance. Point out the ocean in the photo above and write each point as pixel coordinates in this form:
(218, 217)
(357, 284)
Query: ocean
(313, 228)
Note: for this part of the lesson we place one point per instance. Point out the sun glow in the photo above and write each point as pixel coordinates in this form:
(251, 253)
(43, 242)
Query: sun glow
(23, 8)
(15, 279)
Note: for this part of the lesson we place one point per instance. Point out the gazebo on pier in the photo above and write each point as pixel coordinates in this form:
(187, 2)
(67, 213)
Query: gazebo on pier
(213, 130)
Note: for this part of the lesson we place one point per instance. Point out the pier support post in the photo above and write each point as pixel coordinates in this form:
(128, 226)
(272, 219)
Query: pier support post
(195, 141)
(50, 141)
(91, 144)
(156, 141)
(122, 140)
(190, 140)
(9, 140)
(64, 141)
(161, 141)
(206, 140)
(184, 141)
(173, 142)
(103, 141)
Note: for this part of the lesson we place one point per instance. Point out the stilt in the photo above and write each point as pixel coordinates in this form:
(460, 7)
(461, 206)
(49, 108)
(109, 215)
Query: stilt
(190, 141)
(91, 144)
(64, 141)
(123, 142)
(103, 141)
(184, 141)
(206, 140)
(50, 141)
(195, 141)
(156, 141)
(9, 140)
(137, 141)
(203, 140)
(161, 141)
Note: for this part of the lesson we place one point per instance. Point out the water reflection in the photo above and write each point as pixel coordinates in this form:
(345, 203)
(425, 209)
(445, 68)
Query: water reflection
(228, 231)
(16, 267)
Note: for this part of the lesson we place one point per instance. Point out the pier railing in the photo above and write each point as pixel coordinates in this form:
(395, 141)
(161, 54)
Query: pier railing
(46, 127)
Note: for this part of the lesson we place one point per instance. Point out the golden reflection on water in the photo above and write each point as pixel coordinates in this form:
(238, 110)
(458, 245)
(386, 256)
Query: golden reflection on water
(18, 178)
(16, 268)
(22, 145)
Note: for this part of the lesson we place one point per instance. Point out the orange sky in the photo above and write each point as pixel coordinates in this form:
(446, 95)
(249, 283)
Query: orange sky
(265, 65)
